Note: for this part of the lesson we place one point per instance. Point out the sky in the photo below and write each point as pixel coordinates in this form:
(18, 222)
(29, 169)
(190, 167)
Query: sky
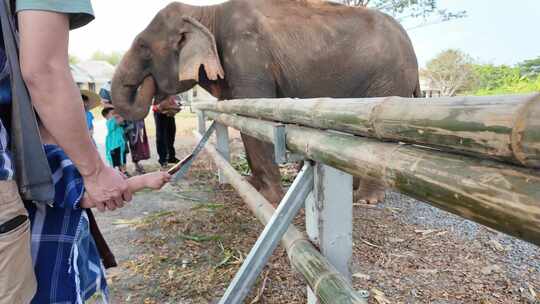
(494, 31)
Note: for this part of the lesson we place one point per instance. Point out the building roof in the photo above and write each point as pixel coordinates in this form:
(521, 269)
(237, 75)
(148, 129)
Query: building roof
(101, 71)
(80, 75)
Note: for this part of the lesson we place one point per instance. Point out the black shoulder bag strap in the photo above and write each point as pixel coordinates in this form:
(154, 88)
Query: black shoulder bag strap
(32, 170)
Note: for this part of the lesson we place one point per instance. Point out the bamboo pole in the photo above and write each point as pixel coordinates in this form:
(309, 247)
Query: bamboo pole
(327, 283)
(503, 197)
(506, 128)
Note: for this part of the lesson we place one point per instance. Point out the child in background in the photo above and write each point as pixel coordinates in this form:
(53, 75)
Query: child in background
(89, 115)
(66, 260)
(90, 101)
(115, 143)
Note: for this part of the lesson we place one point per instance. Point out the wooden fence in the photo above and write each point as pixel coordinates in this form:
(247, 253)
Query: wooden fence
(476, 157)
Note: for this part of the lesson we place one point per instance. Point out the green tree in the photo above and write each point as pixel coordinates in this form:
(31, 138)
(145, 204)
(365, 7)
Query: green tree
(530, 68)
(74, 59)
(503, 79)
(491, 77)
(428, 11)
(451, 71)
(112, 58)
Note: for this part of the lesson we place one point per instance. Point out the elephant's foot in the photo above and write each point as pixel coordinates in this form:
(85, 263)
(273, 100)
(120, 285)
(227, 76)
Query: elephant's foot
(273, 193)
(369, 192)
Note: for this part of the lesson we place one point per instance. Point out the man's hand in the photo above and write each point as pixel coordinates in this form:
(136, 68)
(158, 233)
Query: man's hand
(169, 106)
(108, 188)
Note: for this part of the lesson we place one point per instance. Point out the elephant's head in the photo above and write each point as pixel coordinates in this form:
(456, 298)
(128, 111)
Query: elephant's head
(164, 59)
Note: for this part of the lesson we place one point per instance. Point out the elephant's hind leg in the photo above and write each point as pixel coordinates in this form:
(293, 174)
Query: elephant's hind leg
(368, 191)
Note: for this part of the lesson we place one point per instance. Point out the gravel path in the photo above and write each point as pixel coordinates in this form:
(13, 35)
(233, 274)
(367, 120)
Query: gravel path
(517, 253)
(409, 252)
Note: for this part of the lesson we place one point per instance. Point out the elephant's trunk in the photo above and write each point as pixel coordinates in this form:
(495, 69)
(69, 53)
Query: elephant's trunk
(131, 92)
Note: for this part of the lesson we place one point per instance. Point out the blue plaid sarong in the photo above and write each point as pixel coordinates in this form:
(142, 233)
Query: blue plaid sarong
(6, 166)
(5, 84)
(66, 260)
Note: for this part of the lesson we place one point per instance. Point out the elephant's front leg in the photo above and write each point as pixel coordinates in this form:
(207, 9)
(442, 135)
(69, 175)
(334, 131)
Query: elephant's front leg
(248, 76)
(265, 175)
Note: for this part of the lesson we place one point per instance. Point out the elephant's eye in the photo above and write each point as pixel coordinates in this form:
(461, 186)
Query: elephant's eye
(144, 51)
(182, 40)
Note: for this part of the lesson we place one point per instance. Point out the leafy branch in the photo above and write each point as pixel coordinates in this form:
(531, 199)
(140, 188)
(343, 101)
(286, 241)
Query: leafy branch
(427, 11)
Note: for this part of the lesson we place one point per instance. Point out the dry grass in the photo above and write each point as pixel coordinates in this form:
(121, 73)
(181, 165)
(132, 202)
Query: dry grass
(192, 256)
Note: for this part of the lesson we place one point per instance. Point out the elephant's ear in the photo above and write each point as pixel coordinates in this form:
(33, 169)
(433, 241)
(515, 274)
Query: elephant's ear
(197, 47)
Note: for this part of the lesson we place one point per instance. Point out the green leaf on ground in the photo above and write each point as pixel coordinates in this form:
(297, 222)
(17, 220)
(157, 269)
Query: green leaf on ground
(200, 238)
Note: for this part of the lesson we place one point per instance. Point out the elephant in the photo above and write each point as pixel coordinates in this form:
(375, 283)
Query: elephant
(266, 49)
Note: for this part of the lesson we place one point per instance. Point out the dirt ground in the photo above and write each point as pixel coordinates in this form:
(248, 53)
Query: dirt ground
(184, 244)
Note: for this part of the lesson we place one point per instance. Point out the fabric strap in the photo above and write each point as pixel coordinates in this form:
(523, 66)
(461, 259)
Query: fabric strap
(32, 170)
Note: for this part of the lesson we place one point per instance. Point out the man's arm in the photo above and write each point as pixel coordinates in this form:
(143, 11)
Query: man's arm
(44, 64)
(155, 180)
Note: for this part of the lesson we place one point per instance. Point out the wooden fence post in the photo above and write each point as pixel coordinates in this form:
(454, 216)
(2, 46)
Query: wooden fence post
(222, 145)
(329, 218)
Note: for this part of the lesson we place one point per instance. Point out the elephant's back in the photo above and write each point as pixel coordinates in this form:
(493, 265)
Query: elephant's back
(323, 24)
(320, 42)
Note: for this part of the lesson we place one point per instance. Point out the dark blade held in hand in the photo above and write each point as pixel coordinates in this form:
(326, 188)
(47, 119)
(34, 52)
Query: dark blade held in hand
(180, 169)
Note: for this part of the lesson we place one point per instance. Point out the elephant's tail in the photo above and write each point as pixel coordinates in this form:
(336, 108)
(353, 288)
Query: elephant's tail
(417, 91)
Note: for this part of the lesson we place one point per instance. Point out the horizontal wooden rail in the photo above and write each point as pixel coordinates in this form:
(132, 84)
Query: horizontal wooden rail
(500, 196)
(500, 127)
(327, 283)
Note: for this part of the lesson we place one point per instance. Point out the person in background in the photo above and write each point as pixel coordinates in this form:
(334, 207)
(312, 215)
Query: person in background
(89, 116)
(105, 94)
(90, 101)
(66, 259)
(135, 133)
(164, 113)
(115, 145)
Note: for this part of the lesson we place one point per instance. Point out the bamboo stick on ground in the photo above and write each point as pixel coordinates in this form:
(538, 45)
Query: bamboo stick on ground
(505, 128)
(327, 283)
(503, 197)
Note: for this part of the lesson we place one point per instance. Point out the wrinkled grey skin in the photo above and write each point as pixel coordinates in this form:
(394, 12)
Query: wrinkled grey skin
(266, 48)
